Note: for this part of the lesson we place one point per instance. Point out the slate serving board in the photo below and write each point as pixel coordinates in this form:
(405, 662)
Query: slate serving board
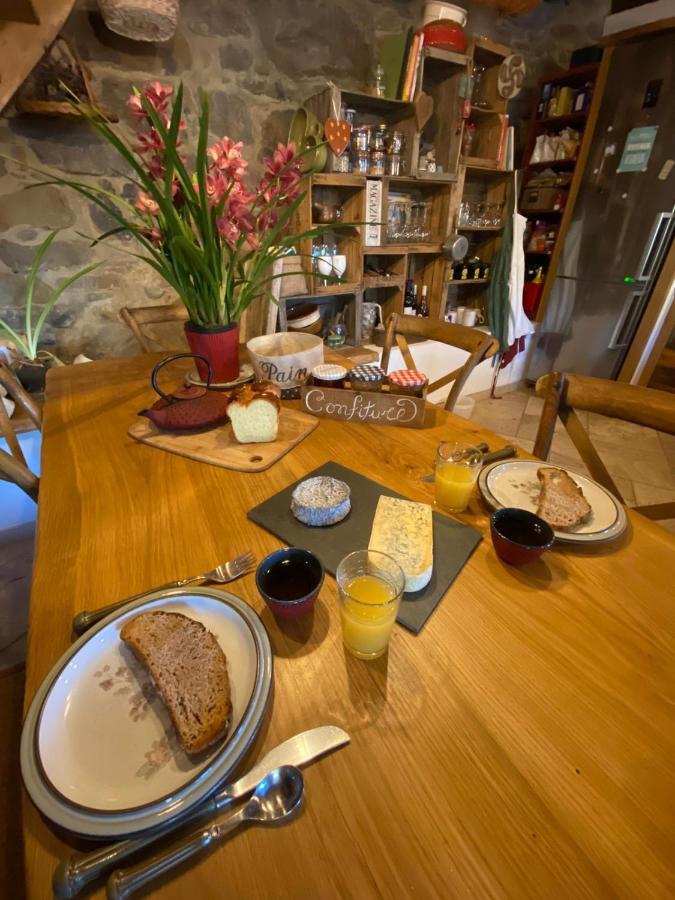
(453, 542)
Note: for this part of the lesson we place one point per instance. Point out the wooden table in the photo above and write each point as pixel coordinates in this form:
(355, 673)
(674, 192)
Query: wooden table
(522, 745)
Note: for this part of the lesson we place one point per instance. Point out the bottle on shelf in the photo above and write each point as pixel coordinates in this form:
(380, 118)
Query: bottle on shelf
(532, 291)
(542, 106)
(423, 304)
(409, 298)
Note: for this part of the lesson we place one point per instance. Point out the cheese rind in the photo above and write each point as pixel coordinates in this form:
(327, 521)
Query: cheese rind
(405, 531)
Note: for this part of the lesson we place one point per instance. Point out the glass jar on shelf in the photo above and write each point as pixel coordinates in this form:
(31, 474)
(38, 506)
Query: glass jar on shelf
(377, 162)
(468, 138)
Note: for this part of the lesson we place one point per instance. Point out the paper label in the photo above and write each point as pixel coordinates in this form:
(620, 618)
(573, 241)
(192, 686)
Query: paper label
(638, 149)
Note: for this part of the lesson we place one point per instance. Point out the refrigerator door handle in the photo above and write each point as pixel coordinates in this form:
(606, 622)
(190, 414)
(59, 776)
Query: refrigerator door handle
(650, 256)
(622, 334)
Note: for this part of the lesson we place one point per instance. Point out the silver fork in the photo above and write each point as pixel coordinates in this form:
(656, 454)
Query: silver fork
(228, 571)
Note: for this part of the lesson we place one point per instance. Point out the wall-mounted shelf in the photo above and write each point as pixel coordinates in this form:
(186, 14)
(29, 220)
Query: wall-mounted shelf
(382, 281)
(477, 228)
(584, 121)
(447, 56)
(455, 281)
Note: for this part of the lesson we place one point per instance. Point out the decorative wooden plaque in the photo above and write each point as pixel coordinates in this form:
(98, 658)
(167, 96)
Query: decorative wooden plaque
(367, 407)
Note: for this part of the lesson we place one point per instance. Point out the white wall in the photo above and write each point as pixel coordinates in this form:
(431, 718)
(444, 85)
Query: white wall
(436, 359)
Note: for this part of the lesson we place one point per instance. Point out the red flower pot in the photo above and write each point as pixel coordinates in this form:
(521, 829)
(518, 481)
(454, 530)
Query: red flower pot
(220, 345)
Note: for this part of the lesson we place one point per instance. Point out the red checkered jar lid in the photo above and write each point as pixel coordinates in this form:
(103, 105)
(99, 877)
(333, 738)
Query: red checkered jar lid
(407, 378)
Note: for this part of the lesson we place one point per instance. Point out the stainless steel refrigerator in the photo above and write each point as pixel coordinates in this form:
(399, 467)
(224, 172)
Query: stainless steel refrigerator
(623, 220)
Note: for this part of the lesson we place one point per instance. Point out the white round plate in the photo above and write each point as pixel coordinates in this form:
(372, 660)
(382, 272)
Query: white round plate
(514, 483)
(99, 755)
(245, 375)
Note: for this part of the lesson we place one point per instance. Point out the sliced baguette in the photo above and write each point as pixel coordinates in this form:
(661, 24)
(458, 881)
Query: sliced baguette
(561, 501)
(189, 670)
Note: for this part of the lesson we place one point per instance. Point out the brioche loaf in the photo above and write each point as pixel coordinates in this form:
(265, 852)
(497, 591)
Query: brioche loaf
(188, 669)
(561, 501)
(254, 412)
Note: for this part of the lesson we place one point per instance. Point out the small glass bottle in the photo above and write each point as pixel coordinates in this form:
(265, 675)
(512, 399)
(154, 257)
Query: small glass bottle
(379, 84)
(423, 305)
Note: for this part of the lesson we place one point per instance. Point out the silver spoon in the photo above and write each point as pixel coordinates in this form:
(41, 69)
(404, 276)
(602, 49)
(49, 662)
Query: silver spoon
(277, 797)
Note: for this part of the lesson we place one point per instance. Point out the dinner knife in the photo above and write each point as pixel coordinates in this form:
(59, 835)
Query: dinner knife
(75, 872)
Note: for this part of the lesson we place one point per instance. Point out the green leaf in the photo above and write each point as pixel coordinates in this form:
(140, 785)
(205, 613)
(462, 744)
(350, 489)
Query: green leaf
(49, 305)
(30, 283)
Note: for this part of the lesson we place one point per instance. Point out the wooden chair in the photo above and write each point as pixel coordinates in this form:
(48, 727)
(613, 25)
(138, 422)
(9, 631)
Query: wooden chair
(13, 466)
(140, 316)
(563, 393)
(476, 343)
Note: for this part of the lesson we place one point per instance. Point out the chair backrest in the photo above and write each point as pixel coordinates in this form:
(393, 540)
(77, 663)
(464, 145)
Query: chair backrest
(137, 318)
(13, 466)
(563, 393)
(476, 343)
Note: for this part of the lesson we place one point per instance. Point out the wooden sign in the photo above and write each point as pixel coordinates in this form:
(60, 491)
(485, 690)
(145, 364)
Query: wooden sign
(337, 134)
(367, 407)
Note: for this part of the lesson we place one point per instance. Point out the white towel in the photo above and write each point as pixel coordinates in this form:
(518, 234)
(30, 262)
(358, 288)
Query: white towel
(519, 324)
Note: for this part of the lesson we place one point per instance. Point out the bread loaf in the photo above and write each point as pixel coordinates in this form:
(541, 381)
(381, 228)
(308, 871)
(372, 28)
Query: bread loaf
(254, 412)
(188, 669)
(561, 501)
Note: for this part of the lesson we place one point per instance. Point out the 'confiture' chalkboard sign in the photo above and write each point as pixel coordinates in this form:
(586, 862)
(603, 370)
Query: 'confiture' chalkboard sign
(368, 407)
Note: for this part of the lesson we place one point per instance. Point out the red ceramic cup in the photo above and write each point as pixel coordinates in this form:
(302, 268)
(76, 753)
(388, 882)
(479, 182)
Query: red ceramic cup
(519, 537)
(289, 581)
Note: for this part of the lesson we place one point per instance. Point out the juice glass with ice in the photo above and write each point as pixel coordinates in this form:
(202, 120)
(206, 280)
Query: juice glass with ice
(457, 468)
(370, 584)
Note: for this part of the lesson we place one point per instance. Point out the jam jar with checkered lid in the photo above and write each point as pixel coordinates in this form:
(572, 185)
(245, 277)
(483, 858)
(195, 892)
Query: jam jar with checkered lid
(366, 378)
(408, 382)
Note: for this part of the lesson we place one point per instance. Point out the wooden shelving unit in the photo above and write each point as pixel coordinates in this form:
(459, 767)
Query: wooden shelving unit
(584, 122)
(443, 76)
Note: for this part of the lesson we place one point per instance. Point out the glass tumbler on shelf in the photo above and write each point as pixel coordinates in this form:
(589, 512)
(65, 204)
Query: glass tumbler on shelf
(457, 469)
(370, 585)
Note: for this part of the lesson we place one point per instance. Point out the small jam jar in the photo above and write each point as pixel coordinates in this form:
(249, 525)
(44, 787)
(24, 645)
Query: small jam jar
(366, 378)
(407, 381)
(327, 375)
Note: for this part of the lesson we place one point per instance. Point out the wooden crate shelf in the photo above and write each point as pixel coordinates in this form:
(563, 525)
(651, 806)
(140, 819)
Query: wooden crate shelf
(338, 179)
(569, 119)
(446, 56)
(551, 163)
(478, 228)
(455, 281)
(434, 247)
(381, 281)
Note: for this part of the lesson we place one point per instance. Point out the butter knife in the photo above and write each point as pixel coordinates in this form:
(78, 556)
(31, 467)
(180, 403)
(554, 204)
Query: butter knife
(78, 870)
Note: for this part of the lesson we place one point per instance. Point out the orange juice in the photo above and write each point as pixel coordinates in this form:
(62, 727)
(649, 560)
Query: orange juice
(454, 484)
(368, 615)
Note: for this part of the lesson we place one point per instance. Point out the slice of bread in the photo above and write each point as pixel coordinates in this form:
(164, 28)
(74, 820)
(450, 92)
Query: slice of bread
(254, 413)
(561, 501)
(190, 672)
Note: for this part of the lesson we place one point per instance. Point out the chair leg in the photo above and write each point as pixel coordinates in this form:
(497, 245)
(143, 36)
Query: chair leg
(553, 386)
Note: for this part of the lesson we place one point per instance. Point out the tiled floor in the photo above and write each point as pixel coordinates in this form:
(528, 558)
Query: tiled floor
(641, 461)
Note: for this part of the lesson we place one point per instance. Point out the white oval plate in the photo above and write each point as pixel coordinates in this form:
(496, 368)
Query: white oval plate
(99, 754)
(514, 483)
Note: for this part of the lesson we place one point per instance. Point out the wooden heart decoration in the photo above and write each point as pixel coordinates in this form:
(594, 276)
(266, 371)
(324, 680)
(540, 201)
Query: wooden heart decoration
(424, 107)
(337, 134)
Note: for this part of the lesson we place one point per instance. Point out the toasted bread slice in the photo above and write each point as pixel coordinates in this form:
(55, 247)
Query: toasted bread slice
(561, 501)
(190, 672)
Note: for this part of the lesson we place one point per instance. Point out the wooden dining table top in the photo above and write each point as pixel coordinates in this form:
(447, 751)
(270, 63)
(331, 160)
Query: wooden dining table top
(521, 745)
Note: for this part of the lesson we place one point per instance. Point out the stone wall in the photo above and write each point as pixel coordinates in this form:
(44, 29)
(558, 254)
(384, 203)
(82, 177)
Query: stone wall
(258, 59)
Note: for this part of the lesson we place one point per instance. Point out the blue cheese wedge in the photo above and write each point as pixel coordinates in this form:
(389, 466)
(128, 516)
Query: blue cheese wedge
(405, 531)
(321, 501)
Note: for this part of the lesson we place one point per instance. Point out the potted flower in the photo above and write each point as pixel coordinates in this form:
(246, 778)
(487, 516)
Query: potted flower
(214, 240)
(32, 361)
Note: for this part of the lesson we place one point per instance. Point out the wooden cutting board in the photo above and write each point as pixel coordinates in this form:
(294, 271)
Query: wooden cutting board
(218, 447)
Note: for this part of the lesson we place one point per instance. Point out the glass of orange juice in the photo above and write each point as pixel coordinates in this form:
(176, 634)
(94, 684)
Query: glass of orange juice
(457, 468)
(370, 584)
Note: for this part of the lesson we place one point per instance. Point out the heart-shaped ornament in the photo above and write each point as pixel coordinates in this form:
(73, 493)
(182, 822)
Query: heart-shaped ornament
(337, 134)
(424, 107)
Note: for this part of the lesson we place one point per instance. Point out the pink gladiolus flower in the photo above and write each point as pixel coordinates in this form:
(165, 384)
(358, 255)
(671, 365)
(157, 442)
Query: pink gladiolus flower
(158, 95)
(216, 186)
(154, 235)
(282, 160)
(226, 156)
(156, 167)
(253, 241)
(228, 230)
(145, 204)
(150, 141)
(136, 106)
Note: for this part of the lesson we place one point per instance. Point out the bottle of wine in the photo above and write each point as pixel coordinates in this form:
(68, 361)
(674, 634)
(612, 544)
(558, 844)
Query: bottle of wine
(423, 305)
(409, 298)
